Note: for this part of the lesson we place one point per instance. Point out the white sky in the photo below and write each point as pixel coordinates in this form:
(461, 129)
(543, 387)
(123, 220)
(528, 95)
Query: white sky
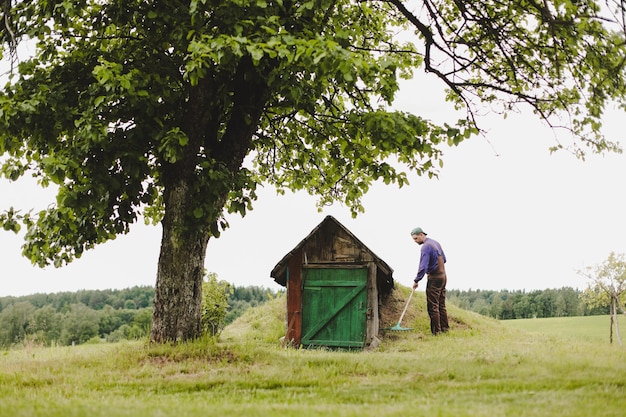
(508, 214)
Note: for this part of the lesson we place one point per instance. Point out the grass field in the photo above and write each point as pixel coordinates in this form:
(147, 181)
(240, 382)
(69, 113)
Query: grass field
(481, 368)
(591, 328)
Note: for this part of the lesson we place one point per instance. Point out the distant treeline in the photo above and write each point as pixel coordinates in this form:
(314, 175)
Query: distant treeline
(504, 304)
(68, 318)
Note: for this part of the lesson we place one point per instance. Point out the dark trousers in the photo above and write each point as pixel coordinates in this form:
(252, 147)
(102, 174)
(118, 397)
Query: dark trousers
(436, 304)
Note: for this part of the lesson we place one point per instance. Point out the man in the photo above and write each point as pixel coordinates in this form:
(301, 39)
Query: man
(432, 260)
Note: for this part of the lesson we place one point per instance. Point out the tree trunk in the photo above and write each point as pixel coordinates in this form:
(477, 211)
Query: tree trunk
(611, 328)
(178, 296)
(616, 321)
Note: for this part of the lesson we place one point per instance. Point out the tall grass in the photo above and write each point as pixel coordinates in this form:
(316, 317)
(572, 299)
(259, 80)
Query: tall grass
(480, 368)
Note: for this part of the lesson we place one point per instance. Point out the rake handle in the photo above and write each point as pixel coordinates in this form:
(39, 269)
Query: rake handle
(406, 306)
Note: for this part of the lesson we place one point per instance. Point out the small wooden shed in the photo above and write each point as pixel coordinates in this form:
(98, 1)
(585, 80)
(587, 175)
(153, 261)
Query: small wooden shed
(334, 287)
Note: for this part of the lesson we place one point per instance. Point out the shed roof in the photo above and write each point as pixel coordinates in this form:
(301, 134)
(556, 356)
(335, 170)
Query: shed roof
(385, 272)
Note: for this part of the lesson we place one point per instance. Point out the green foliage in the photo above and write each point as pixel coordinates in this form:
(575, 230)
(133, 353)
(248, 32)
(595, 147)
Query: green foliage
(114, 113)
(215, 296)
(75, 318)
(80, 325)
(607, 282)
(608, 285)
(562, 58)
(46, 326)
(504, 304)
(71, 317)
(142, 296)
(14, 323)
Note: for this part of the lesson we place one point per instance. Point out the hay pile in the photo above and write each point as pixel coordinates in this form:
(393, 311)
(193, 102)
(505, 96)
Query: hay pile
(391, 307)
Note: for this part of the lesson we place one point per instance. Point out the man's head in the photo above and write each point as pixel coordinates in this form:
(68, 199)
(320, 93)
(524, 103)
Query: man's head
(418, 235)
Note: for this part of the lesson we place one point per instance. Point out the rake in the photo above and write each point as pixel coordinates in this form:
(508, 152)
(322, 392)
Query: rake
(397, 327)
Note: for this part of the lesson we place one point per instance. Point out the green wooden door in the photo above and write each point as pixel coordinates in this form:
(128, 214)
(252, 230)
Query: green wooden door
(334, 307)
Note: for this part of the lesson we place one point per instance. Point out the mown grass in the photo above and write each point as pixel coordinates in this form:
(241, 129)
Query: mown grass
(591, 328)
(481, 368)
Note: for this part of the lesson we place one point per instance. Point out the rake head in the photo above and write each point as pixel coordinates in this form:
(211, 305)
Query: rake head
(398, 328)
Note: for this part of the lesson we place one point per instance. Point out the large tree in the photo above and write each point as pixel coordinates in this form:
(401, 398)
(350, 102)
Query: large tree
(177, 110)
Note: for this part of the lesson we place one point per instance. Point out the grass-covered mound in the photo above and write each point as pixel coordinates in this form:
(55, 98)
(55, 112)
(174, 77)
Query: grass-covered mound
(480, 368)
(267, 323)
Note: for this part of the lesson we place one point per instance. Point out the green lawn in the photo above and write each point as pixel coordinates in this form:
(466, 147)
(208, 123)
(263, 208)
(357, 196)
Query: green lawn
(481, 368)
(592, 328)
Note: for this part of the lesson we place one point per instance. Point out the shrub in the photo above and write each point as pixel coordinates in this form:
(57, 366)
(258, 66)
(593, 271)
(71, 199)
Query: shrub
(215, 296)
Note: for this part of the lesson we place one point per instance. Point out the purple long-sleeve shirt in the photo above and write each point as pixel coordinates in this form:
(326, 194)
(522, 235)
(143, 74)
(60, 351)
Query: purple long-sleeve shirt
(431, 250)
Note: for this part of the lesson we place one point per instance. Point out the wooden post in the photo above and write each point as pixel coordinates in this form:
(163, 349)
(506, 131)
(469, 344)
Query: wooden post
(294, 300)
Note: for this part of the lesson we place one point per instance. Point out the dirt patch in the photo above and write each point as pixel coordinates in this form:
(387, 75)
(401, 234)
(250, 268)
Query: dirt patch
(392, 304)
(391, 307)
(458, 323)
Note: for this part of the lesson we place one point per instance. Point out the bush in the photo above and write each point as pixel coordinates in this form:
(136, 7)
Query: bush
(215, 296)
